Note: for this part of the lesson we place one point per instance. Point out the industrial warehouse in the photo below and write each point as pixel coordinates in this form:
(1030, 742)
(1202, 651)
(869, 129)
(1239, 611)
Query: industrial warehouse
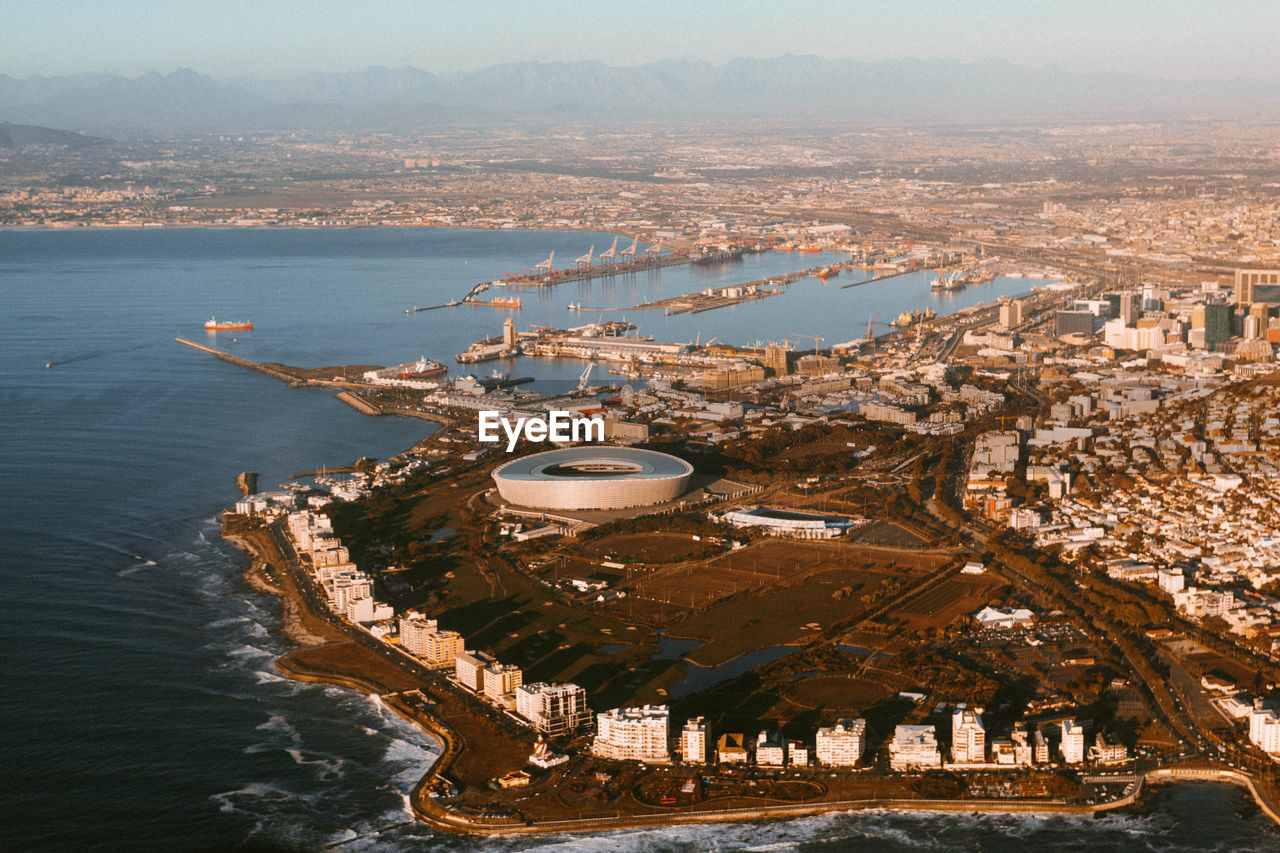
(593, 478)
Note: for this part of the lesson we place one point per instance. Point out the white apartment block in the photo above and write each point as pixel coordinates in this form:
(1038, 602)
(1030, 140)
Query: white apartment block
(693, 741)
(968, 737)
(914, 747)
(841, 745)
(414, 628)
(1072, 742)
(771, 750)
(1108, 750)
(553, 709)
(797, 754)
(1264, 728)
(1171, 580)
(632, 734)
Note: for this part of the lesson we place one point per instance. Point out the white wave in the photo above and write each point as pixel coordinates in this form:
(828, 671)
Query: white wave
(330, 768)
(225, 622)
(231, 801)
(278, 723)
(399, 749)
(265, 677)
(247, 651)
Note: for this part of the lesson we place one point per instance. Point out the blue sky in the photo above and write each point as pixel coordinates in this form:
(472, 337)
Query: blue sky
(224, 38)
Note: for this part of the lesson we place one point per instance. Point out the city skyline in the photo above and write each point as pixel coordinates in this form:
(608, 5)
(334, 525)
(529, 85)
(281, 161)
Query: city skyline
(1161, 40)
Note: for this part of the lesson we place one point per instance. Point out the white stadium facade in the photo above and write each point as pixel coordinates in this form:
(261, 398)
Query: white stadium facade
(595, 477)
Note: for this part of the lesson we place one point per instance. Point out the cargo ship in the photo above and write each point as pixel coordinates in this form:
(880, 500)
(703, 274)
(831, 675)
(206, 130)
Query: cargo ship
(214, 326)
(910, 318)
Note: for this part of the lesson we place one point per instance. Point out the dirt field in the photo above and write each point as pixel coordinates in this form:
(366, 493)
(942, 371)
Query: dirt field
(890, 534)
(940, 604)
(776, 593)
(647, 547)
(834, 691)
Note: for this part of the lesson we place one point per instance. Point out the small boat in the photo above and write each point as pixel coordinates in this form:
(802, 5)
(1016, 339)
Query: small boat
(214, 326)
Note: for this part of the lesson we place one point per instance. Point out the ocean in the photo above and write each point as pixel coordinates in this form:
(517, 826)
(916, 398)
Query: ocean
(143, 709)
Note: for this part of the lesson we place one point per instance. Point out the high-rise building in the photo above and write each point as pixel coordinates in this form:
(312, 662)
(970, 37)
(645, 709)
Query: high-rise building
(776, 359)
(442, 649)
(1072, 742)
(553, 709)
(501, 679)
(414, 628)
(968, 737)
(633, 734)
(1215, 319)
(841, 745)
(509, 338)
(1264, 728)
(693, 741)
(469, 668)
(1074, 323)
(1130, 306)
(1257, 286)
(1011, 313)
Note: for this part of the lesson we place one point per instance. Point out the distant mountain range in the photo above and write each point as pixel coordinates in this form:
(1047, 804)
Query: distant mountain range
(787, 87)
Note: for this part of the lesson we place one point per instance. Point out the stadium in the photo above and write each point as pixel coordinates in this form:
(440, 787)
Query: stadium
(593, 478)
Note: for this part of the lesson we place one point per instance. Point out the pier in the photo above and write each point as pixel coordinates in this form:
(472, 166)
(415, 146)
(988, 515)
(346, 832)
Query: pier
(244, 362)
(642, 264)
(893, 274)
(720, 297)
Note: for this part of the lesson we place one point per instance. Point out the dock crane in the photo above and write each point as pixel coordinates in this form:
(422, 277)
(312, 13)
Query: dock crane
(816, 340)
(546, 265)
(585, 260)
(611, 252)
(871, 326)
(654, 250)
(631, 250)
(582, 380)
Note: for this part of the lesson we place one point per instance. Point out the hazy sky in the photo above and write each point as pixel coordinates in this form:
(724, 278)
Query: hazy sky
(224, 38)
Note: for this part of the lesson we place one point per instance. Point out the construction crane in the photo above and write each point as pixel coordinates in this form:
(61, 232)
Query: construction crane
(546, 265)
(816, 340)
(631, 250)
(585, 260)
(611, 252)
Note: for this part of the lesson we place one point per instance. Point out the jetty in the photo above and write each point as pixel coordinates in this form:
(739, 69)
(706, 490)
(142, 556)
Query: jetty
(246, 363)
